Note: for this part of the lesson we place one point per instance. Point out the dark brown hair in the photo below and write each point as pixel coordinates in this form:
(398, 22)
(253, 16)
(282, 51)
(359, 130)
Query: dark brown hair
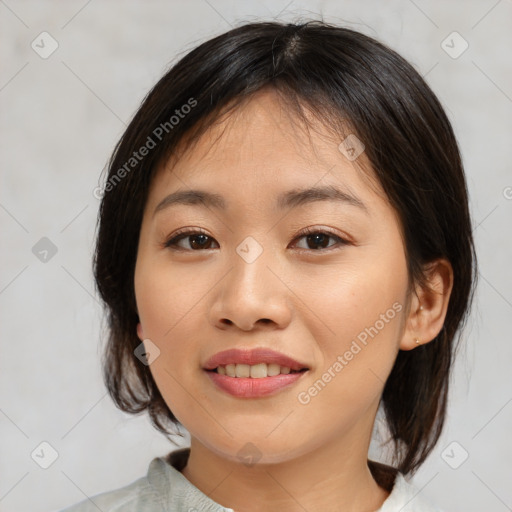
(343, 76)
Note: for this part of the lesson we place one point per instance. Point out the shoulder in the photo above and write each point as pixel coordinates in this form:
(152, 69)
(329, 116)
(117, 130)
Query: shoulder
(138, 496)
(163, 488)
(405, 497)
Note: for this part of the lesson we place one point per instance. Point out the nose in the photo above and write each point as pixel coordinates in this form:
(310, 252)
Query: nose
(251, 296)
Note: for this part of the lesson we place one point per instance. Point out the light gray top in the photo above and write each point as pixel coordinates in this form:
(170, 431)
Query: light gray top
(165, 489)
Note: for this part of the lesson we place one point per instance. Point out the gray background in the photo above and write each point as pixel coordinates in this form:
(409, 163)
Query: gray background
(61, 117)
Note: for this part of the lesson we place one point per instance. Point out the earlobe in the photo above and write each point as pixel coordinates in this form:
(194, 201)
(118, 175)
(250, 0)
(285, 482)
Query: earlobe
(140, 332)
(429, 306)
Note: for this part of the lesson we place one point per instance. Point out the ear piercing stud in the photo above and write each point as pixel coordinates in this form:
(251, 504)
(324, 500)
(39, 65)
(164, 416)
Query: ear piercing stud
(418, 342)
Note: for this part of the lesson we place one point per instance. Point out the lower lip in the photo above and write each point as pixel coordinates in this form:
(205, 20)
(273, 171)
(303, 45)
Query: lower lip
(253, 388)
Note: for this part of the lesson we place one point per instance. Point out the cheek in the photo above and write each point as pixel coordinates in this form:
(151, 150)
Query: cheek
(165, 305)
(363, 308)
(169, 307)
(357, 359)
(165, 300)
(358, 296)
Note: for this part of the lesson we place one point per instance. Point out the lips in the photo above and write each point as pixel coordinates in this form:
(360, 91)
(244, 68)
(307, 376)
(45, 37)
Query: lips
(290, 371)
(253, 357)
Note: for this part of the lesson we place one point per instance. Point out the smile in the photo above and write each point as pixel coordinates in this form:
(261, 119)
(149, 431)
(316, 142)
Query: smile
(253, 373)
(256, 371)
(254, 387)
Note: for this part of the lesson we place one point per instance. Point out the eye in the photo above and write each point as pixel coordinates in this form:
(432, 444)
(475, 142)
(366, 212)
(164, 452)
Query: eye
(315, 238)
(198, 239)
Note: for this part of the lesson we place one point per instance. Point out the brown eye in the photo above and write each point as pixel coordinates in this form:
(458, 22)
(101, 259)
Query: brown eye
(321, 239)
(196, 240)
(318, 240)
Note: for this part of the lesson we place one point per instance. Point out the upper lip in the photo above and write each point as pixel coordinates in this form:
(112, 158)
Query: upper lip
(252, 357)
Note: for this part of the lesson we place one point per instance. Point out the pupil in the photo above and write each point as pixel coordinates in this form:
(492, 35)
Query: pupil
(315, 239)
(204, 239)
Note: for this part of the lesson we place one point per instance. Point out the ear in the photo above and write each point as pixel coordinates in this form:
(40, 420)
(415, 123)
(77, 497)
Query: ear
(140, 332)
(428, 306)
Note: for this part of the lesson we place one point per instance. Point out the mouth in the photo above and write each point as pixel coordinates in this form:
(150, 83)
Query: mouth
(253, 373)
(256, 371)
(262, 361)
(254, 387)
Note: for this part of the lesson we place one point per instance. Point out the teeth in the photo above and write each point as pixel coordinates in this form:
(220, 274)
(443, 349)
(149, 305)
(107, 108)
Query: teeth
(242, 370)
(256, 371)
(273, 369)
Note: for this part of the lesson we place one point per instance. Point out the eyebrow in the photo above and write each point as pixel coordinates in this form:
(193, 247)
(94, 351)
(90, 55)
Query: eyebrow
(287, 200)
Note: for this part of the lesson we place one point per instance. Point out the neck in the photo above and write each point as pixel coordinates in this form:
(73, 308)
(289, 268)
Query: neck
(335, 476)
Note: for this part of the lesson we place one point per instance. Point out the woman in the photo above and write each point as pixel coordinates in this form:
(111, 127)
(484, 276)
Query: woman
(284, 246)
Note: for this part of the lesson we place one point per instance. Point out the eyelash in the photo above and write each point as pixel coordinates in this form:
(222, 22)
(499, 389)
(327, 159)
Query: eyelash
(171, 243)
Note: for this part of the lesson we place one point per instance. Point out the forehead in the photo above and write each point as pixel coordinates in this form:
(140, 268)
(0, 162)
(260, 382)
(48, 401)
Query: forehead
(263, 148)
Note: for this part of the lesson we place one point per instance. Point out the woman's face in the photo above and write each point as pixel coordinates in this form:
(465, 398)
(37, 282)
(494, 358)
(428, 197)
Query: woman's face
(333, 300)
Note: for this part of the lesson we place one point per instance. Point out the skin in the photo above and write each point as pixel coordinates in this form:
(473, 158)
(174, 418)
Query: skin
(299, 298)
